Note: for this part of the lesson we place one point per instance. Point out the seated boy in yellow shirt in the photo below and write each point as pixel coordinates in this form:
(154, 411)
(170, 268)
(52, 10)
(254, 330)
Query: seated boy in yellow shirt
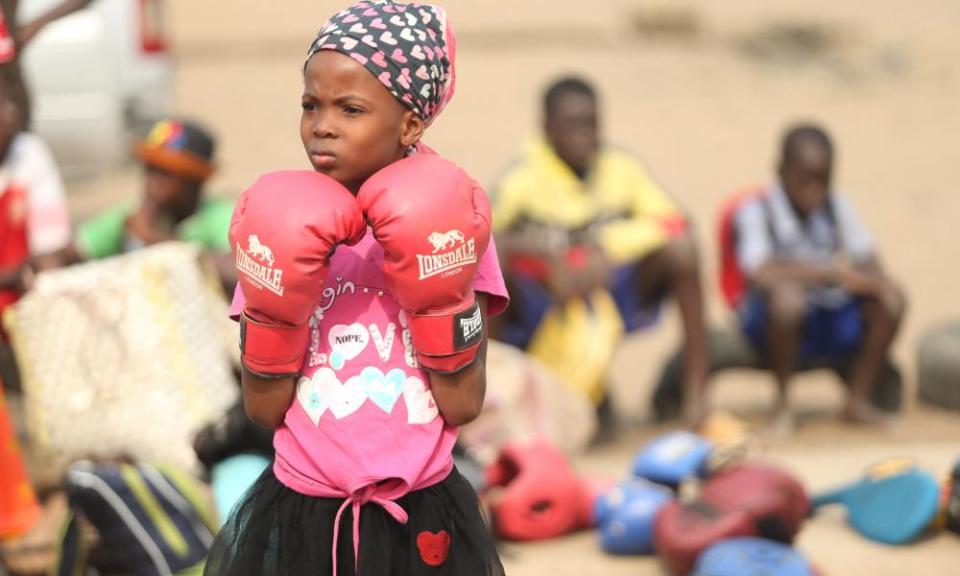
(574, 214)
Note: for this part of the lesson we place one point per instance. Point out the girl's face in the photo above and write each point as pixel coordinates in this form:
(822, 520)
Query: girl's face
(351, 125)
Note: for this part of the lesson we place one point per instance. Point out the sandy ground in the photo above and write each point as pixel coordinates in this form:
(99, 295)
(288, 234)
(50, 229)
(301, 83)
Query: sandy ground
(701, 90)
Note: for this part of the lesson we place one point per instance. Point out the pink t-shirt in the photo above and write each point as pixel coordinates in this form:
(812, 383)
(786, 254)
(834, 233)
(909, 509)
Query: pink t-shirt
(364, 412)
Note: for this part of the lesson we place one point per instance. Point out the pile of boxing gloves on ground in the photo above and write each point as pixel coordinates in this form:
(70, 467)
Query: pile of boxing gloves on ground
(752, 508)
(702, 509)
(703, 513)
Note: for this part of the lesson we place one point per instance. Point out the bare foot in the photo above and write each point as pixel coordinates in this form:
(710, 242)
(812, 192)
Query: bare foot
(859, 412)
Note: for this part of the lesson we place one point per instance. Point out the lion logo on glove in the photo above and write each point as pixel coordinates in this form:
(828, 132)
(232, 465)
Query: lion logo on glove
(256, 265)
(442, 241)
(258, 250)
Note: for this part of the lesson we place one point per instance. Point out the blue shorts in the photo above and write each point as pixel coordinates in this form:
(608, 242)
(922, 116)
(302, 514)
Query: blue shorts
(530, 302)
(828, 333)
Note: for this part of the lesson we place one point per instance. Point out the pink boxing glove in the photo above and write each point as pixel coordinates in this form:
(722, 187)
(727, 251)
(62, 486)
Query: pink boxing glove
(284, 229)
(433, 221)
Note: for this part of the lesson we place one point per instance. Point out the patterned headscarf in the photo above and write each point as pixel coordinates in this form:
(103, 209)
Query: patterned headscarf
(409, 48)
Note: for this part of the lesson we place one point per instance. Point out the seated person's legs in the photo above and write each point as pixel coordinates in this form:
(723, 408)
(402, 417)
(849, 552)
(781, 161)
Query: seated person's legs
(882, 315)
(529, 303)
(774, 321)
(638, 289)
(787, 328)
(674, 269)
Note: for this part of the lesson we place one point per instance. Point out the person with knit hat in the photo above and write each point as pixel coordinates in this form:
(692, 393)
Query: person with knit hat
(364, 291)
(177, 156)
(34, 216)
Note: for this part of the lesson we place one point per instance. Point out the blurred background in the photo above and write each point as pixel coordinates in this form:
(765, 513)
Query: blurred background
(701, 91)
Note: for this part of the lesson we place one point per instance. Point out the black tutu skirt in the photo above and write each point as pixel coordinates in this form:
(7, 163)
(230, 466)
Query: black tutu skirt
(275, 531)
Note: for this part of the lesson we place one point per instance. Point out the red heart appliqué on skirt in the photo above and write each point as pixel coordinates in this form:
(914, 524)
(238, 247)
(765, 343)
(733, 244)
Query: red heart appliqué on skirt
(433, 547)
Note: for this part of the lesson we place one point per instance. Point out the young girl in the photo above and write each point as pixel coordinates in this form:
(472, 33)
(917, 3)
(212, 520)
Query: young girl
(365, 347)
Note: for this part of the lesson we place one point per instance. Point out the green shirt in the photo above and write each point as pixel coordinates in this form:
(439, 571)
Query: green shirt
(105, 234)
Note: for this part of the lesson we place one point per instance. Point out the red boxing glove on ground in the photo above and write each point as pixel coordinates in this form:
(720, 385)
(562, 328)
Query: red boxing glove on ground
(283, 231)
(433, 221)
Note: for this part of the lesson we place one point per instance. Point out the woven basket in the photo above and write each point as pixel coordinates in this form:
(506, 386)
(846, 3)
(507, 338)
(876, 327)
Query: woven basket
(128, 356)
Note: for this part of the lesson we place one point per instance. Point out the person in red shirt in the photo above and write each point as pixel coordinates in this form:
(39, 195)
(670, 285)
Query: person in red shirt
(34, 217)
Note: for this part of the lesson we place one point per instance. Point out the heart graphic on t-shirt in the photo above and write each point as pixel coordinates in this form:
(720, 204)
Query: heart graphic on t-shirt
(342, 399)
(310, 394)
(421, 407)
(384, 391)
(433, 547)
(349, 340)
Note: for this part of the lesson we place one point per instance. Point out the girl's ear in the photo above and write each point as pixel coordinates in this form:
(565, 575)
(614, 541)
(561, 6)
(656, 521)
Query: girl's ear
(413, 127)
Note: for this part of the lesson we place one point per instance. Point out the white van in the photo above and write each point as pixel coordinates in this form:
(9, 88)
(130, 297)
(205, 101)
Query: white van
(96, 78)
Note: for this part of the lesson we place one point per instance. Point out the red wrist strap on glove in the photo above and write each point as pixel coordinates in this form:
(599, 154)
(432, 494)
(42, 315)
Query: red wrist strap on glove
(447, 342)
(270, 350)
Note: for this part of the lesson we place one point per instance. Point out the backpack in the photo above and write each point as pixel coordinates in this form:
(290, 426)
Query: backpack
(151, 521)
(732, 279)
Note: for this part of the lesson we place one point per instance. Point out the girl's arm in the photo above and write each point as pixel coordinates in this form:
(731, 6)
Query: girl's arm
(266, 400)
(460, 396)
